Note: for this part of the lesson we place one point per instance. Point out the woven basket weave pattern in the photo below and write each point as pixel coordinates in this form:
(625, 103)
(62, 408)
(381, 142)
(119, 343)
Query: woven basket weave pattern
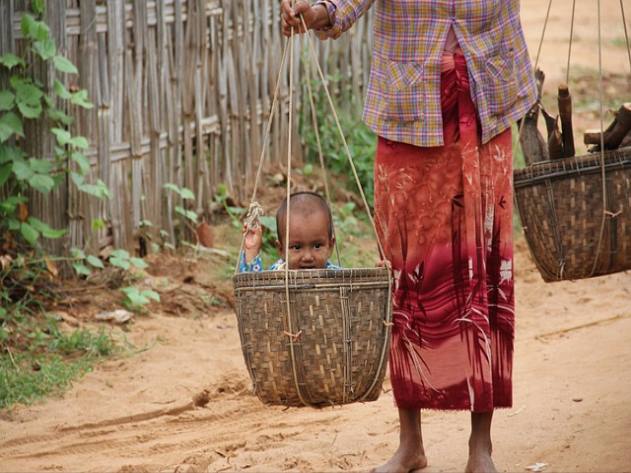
(561, 208)
(339, 335)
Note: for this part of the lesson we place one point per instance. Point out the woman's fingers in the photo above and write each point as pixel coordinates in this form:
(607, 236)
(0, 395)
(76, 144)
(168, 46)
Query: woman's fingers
(290, 16)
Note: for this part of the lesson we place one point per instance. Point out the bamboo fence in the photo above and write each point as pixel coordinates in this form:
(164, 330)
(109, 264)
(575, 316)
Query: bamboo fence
(182, 91)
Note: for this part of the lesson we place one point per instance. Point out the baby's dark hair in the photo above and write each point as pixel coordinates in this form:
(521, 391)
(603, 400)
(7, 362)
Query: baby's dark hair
(303, 203)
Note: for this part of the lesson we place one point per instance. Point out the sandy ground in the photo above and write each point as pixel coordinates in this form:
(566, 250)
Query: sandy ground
(572, 384)
(572, 373)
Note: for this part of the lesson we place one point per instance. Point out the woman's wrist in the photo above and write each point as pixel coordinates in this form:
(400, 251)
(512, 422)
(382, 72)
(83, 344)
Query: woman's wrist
(321, 17)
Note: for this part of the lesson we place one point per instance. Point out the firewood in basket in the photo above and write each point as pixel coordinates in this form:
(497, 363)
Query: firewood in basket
(532, 143)
(615, 133)
(626, 142)
(565, 112)
(555, 141)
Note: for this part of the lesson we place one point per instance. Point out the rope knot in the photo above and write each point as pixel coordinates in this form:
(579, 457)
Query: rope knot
(293, 336)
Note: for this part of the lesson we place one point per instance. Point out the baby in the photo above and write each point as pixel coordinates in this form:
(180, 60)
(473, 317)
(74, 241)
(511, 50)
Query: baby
(311, 238)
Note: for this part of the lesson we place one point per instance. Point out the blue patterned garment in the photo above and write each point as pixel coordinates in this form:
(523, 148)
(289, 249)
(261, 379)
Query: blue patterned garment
(256, 265)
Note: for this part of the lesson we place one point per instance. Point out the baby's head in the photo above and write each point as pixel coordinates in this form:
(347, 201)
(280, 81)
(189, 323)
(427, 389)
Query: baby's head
(311, 238)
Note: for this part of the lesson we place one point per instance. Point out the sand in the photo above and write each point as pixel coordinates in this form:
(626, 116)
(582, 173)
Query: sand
(572, 374)
(572, 379)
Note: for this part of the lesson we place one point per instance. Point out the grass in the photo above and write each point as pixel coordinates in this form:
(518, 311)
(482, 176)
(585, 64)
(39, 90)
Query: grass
(40, 359)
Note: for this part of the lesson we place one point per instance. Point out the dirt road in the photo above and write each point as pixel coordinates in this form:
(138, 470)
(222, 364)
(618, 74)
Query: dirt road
(573, 378)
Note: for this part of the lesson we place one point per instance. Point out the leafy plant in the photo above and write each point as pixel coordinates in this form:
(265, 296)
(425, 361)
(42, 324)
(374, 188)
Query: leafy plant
(361, 140)
(26, 99)
(136, 299)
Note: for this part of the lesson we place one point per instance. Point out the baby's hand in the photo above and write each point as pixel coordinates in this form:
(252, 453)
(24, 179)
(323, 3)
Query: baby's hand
(253, 241)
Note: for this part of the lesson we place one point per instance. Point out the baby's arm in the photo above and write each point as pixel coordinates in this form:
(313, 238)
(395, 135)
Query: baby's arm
(250, 259)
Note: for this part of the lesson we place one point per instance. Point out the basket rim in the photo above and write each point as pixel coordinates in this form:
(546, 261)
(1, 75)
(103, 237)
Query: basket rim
(566, 167)
(311, 278)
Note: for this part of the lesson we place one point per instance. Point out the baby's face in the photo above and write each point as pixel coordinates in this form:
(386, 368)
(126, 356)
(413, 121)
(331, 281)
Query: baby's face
(309, 244)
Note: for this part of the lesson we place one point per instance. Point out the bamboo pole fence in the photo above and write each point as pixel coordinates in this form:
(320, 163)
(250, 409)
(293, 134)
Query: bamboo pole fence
(182, 91)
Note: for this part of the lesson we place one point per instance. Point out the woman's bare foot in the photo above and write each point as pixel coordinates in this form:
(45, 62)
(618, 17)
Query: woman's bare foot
(480, 446)
(411, 455)
(405, 460)
(480, 460)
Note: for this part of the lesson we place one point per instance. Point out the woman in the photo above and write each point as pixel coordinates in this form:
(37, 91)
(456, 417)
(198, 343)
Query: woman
(448, 78)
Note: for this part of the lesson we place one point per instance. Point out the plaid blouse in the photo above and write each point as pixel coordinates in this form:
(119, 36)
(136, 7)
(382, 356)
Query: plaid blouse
(403, 95)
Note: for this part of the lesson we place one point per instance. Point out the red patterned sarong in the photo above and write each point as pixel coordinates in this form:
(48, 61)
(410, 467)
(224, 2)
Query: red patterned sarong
(444, 216)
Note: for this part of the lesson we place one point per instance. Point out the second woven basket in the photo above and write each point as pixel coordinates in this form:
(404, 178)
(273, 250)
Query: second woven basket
(561, 207)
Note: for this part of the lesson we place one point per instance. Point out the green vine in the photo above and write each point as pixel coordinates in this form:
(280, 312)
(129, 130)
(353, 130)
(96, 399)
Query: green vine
(26, 99)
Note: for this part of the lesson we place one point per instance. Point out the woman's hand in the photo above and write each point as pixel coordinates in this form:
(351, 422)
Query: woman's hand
(253, 241)
(316, 17)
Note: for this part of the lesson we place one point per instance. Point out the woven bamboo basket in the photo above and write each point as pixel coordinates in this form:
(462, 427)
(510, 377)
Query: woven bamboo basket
(561, 207)
(336, 351)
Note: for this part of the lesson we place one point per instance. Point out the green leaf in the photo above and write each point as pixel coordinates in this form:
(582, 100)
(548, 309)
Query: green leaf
(28, 110)
(172, 187)
(269, 223)
(7, 99)
(308, 169)
(189, 214)
(186, 194)
(10, 60)
(9, 205)
(60, 116)
(10, 124)
(10, 153)
(33, 29)
(63, 137)
(97, 224)
(134, 296)
(22, 170)
(41, 166)
(3, 312)
(61, 90)
(150, 294)
(96, 262)
(82, 269)
(5, 173)
(41, 182)
(82, 161)
(14, 224)
(64, 65)
(81, 99)
(77, 179)
(38, 6)
(29, 233)
(45, 229)
(79, 142)
(123, 254)
(45, 49)
(138, 263)
(26, 91)
(77, 253)
(120, 263)
(98, 190)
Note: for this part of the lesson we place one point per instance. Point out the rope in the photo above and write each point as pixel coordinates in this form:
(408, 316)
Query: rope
(264, 147)
(314, 121)
(569, 52)
(602, 146)
(346, 148)
(288, 216)
(626, 33)
(543, 34)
